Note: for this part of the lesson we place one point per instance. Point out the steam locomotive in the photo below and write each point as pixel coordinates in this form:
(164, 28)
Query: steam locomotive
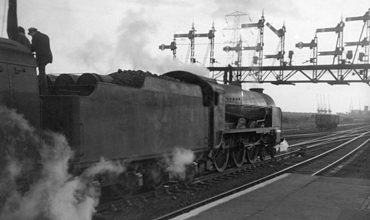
(139, 118)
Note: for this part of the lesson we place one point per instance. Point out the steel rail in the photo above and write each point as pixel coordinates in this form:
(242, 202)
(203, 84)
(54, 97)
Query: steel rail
(331, 137)
(328, 133)
(283, 155)
(340, 159)
(251, 184)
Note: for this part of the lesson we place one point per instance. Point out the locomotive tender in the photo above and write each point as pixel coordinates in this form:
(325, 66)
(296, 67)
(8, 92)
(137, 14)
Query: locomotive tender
(140, 117)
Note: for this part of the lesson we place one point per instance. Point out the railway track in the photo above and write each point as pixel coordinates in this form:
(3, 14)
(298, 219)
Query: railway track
(253, 174)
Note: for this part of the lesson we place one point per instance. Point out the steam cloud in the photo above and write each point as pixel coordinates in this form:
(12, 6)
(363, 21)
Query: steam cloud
(177, 162)
(54, 193)
(131, 50)
(282, 147)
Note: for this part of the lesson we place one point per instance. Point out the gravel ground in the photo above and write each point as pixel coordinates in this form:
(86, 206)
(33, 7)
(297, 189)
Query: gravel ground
(155, 207)
(357, 167)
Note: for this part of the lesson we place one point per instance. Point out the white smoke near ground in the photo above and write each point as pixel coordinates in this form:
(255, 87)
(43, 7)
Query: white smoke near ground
(35, 202)
(177, 162)
(282, 147)
(104, 166)
(54, 194)
(17, 142)
(78, 197)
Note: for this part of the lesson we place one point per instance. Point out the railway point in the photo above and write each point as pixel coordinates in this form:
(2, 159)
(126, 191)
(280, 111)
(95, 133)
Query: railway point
(293, 197)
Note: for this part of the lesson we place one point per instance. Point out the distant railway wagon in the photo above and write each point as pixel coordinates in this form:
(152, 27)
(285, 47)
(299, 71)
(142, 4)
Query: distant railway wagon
(326, 121)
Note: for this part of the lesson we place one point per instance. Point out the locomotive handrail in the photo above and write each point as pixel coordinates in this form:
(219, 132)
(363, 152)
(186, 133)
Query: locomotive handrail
(82, 90)
(247, 130)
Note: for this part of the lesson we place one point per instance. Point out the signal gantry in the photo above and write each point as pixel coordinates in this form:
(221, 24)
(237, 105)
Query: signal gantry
(259, 47)
(172, 47)
(334, 74)
(339, 71)
(337, 53)
(192, 35)
(363, 56)
(281, 34)
(313, 46)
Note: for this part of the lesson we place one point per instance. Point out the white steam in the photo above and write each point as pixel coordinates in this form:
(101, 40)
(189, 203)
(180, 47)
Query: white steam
(282, 147)
(54, 193)
(102, 167)
(167, 65)
(14, 168)
(178, 160)
(10, 121)
(131, 50)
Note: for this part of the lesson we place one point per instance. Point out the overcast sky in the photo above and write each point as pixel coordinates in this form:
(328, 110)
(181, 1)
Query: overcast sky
(103, 36)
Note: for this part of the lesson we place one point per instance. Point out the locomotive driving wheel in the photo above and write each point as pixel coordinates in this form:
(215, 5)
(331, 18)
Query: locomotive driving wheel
(220, 158)
(238, 154)
(252, 150)
(263, 153)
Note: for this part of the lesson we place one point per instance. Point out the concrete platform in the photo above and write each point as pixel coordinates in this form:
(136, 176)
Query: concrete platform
(293, 196)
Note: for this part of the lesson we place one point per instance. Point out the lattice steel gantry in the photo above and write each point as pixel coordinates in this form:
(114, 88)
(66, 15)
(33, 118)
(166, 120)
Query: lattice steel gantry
(192, 35)
(360, 71)
(365, 43)
(340, 72)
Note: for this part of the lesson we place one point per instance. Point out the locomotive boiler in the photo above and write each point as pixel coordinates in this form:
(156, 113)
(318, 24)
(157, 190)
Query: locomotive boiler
(138, 118)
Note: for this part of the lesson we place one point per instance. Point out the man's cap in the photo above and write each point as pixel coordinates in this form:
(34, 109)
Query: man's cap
(32, 29)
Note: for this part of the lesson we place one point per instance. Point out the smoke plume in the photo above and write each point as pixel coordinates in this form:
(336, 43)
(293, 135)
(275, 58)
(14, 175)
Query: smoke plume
(131, 49)
(54, 193)
(134, 46)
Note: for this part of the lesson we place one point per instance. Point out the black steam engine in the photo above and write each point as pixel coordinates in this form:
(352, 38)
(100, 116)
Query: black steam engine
(138, 118)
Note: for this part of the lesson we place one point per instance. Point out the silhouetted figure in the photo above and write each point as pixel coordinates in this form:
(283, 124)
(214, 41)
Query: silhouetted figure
(14, 32)
(22, 39)
(41, 45)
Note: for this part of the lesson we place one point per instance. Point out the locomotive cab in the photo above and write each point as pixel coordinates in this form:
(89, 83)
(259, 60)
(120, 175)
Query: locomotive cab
(213, 98)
